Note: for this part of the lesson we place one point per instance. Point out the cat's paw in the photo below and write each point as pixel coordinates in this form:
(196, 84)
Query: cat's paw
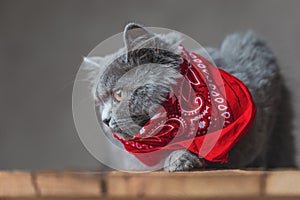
(183, 160)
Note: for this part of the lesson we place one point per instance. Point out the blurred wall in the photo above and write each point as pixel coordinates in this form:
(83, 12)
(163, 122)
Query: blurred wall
(42, 44)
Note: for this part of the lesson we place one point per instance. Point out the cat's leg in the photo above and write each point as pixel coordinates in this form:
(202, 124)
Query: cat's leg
(183, 160)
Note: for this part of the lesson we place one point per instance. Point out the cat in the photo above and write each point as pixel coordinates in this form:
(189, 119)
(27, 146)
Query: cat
(243, 55)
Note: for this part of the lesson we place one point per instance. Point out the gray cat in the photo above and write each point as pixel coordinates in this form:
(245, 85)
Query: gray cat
(122, 87)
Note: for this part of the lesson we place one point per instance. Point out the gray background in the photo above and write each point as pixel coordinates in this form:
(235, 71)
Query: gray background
(42, 44)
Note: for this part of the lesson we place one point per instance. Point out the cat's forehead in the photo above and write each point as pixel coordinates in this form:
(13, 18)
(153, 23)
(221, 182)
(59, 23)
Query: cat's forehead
(119, 65)
(111, 74)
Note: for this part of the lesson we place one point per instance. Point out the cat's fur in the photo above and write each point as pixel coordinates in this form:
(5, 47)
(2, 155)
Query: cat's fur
(145, 84)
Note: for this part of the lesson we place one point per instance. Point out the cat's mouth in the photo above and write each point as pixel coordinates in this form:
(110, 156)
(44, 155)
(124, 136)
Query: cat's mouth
(123, 134)
(128, 131)
(119, 131)
(125, 130)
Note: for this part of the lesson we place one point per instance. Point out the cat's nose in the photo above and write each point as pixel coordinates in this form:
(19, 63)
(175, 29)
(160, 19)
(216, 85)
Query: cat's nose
(106, 121)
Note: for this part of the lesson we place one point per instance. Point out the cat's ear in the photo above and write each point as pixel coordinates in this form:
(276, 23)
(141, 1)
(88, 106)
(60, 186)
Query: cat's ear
(136, 36)
(92, 62)
(93, 67)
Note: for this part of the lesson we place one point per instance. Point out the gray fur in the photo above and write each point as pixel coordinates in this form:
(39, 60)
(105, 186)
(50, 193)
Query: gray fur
(248, 58)
(183, 160)
(146, 83)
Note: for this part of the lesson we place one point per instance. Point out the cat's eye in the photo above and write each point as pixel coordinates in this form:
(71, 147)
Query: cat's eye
(118, 95)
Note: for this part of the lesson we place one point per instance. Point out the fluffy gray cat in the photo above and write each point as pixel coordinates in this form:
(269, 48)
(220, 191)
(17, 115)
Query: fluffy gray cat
(120, 87)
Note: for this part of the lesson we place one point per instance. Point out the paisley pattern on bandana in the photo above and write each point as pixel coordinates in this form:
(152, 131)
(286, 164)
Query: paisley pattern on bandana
(207, 112)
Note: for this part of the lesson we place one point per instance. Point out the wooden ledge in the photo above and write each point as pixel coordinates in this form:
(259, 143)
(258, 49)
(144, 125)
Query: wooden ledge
(220, 184)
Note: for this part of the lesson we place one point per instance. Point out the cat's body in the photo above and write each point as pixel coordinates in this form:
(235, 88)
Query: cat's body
(243, 55)
(249, 59)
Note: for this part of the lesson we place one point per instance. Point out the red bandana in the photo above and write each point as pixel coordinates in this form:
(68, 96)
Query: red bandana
(208, 111)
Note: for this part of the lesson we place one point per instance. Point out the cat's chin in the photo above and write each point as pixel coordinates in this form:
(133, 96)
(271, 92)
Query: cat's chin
(123, 135)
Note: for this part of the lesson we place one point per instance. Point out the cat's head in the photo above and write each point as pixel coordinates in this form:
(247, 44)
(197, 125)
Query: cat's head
(130, 85)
